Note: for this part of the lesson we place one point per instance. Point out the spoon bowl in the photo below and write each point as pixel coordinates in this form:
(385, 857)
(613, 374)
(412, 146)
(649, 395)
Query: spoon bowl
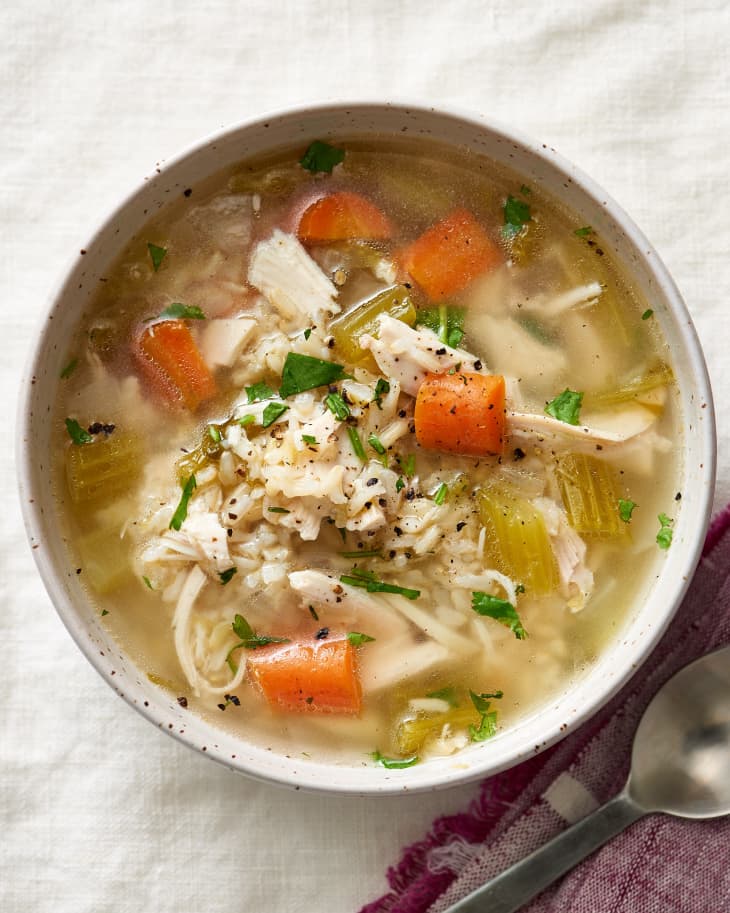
(680, 765)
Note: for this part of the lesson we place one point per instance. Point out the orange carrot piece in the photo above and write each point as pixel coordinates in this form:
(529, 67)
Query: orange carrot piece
(449, 255)
(461, 413)
(317, 676)
(172, 364)
(343, 216)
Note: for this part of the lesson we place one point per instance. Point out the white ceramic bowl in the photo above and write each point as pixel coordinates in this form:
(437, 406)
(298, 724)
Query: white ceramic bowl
(537, 164)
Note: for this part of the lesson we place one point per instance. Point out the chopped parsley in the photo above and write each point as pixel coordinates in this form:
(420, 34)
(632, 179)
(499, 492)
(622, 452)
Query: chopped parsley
(321, 157)
(499, 609)
(488, 724)
(400, 484)
(447, 694)
(69, 369)
(258, 392)
(665, 534)
(441, 493)
(272, 412)
(249, 640)
(309, 439)
(178, 518)
(566, 407)
(227, 575)
(148, 583)
(303, 372)
(583, 232)
(520, 588)
(104, 612)
(376, 444)
(278, 510)
(381, 388)
(516, 216)
(446, 322)
(368, 581)
(179, 311)
(356, 638)
(77, 434)
(157, 255)
(647, 314)
(337, 406)
(625, 509)
(307, 332)
(356, 443)
(394, 763)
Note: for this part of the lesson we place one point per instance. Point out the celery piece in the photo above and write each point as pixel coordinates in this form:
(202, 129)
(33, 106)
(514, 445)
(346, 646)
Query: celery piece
(589, 495)
(104, 468)
(349, 327)
(518, 539)
(411, 735)
(208, 449)
(658, 375)
(104, 560)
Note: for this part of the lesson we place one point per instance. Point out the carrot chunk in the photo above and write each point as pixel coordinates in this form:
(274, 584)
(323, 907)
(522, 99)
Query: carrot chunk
(317, 676)
(343, 216)
(461, 413)
(450, 255)
(172, 364)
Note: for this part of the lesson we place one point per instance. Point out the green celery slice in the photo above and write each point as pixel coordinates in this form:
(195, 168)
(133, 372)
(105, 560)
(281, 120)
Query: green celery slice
(411, 735)
(659, 375)
(104, 468)
(518, 539)
(349, 327)
(590, 497)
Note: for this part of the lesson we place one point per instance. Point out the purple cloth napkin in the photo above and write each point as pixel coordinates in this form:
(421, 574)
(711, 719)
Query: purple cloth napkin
(659, 864)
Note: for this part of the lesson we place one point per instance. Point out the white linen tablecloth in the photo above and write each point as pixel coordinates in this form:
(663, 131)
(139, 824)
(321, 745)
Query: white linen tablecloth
(99, 812)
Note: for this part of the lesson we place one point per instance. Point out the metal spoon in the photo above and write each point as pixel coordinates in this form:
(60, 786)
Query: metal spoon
(680, 765)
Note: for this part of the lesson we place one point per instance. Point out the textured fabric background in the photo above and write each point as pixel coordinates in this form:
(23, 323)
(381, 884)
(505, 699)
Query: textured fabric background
(99, 812)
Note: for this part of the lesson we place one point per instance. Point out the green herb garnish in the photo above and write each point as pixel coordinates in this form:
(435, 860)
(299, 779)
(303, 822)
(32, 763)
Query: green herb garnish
(309, 439)
(249, 640)
(148, 583)
(356, 638)
(376, 444)
(178, 518)
(499, 609)
(371, 553)
(446, 322)
(272, 412)
(77, 434)
(583, 232)
(647, 314)
(337, 406)
(488, 724)
(214, 433)
(227, 575)
(278, 510)
(104, 612)
(69, 369)
(303, 372)
(179, 311)
(307, 332)
(566, 407)
(321, 157)
(400, 484)
(256, 393)
(368, 581)
(408, 464)
(625, 509)
(157, 255)
(665, 534)
(247, 420)
(381, 388)
(394, 763)
(356, 443)
(447, 694)
(516, 216)
(441, 493)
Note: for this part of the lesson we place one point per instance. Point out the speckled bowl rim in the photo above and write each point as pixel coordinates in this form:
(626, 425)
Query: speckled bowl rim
(537, 730)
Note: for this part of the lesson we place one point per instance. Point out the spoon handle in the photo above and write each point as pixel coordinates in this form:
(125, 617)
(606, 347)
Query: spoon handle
(525, 879)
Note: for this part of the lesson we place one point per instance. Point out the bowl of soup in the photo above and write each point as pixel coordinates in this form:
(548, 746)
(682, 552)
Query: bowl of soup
(367, 448)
